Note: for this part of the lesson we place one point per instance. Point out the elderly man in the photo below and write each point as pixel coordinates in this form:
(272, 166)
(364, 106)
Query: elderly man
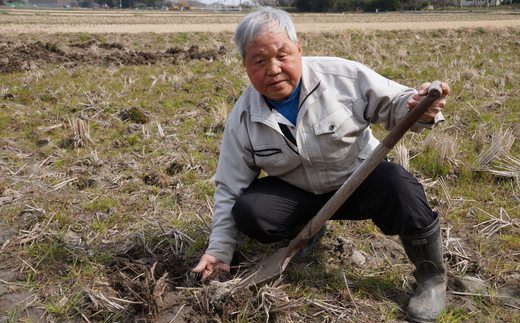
(306, 121)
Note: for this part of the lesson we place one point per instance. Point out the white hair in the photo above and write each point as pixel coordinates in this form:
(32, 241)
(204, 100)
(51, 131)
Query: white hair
(257, 22)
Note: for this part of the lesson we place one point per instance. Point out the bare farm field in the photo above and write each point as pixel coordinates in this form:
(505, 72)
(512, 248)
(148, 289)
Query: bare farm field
(125, 21)
(109, 143)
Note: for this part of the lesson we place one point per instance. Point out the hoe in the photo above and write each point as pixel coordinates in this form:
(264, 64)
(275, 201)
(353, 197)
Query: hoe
(274, 264)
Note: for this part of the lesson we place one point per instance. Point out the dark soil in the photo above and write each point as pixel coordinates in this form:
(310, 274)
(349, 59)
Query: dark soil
(160, 289)
(218, 275)
(19, 56)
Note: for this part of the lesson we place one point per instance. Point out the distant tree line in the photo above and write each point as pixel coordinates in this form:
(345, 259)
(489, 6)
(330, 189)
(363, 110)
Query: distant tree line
(129, 3)
(157, 3)
(364, 5)
(353, 5)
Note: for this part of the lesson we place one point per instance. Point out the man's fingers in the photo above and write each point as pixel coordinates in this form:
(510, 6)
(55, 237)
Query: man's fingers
(206, 273)
(211, 268)
(205, 267)
(445, 89)
(201, 266)
(436, 107)
(412, 103)
(423, 89)
(208, 264)
(223, 266)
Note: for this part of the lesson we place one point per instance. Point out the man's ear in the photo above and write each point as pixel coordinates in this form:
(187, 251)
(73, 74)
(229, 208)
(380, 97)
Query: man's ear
(299, 48)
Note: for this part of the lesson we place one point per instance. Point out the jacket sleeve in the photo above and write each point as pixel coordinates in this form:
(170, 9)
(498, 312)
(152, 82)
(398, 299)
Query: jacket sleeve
(235, 172)
(386, 100)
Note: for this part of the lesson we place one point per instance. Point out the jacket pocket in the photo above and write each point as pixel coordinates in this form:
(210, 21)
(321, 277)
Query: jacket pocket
(339, 138)
(267, 157)
(277, 160)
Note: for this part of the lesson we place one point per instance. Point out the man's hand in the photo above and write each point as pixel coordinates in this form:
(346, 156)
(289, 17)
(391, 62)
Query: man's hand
(436, 107)
(208, 264)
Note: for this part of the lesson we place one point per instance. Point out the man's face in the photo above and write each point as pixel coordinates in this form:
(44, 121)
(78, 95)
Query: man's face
(274, 65)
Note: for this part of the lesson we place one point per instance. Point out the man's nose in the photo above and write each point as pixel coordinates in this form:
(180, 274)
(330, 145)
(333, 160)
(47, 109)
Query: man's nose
(274, 68)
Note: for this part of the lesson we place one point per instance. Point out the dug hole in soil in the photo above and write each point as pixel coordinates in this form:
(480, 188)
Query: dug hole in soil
(162, 290)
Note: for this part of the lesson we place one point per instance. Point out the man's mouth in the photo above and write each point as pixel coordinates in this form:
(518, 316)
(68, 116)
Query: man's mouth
(276, 83)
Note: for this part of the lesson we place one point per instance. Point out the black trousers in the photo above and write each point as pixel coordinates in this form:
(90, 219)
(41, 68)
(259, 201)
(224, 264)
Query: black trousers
(272, 210)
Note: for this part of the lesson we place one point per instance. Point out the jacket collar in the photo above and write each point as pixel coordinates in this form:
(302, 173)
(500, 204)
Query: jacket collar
(312, 88)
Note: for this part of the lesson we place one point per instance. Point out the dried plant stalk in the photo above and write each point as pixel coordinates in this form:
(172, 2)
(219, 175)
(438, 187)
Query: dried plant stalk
(501, 144)
(446, 191)
(430, 140)
(496, 224)
(401, 156)
(101, 302)
(81, 133)
(274, 300)
(453, 247)
(402, 53)
(480, 137)
(160, 130)
(469, 74)
(507, 167)
(446, 149)
(220, 113)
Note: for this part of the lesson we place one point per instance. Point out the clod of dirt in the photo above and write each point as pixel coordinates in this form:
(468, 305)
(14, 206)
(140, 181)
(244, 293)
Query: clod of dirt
(32, 66)
(194, 53)
(9, 96)
(357, 258)
(117, 144)
(218, 275)
(44, 142)
(67, 143)
(222, 298)
(82, 183)
(174, 168)
(475, 284)
(134, 115)
(174, 51)
(87, 44)
(343, 247)
(69, 64)
(156, 179)
(133, 127)
(118, 45)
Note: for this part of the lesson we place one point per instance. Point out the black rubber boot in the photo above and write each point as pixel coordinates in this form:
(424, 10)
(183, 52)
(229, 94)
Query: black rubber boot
(306, 249)
(424, 248)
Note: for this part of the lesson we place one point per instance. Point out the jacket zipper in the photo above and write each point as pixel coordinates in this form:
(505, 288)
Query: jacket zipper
(304, 99)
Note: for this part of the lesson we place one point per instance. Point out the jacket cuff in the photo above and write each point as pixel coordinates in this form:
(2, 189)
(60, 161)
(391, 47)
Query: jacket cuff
(222, 252)
(428, 124)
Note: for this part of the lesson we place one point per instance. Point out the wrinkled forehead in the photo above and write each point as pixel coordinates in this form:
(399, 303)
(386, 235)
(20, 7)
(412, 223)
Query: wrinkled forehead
(270, 28)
